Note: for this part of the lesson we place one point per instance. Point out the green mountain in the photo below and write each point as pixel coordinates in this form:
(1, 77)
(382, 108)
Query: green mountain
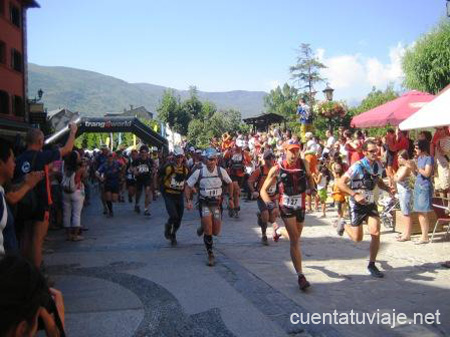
(94, 94)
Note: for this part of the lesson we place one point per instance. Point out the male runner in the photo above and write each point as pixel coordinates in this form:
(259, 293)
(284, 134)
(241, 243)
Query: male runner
(211, 179)
(292, 177)
(143, 167)
(255, 182)
(363, 176)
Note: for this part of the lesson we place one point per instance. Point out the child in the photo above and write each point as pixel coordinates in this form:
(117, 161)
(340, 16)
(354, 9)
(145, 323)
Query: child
(322, 178)
(338, 195)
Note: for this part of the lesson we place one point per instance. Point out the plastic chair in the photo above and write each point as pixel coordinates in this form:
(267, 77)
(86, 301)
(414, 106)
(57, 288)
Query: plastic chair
(442, 210)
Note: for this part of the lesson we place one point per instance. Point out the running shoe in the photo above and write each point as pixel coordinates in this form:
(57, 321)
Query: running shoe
(111, 214)
(130, 198)
(374, 271)
(137, 209)
(236, 214)
(264, 240)
(340, 227)
(200, 230)
(173, 240)
(303, 283)
(275, 235)
(231, 212)
(211, 259)
(147, 212)
(105, 211)
(167, 230)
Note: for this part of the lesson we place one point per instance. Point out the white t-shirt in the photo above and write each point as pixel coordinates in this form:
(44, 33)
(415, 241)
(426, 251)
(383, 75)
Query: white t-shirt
(211, 184)
(330, 142)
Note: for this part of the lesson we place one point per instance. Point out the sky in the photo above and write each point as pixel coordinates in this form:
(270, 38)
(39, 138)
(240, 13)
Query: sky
(224, 45)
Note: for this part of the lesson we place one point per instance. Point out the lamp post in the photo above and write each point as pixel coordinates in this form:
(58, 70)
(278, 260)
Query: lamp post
(328, 92)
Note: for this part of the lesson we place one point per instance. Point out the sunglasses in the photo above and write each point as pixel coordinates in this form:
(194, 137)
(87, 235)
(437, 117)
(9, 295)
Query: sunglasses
(373, 151)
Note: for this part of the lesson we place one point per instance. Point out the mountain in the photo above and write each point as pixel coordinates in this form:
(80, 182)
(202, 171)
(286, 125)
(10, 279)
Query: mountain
(94, 94)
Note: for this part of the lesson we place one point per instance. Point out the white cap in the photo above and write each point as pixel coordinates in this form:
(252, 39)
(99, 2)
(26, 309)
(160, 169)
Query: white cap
(178, 151)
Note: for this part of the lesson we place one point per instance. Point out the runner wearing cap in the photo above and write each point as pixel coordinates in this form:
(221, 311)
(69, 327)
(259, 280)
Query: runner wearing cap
(211, 179)
(267, 212)
(174, 175)
(109, 174)
(291, 177)
(236, 160)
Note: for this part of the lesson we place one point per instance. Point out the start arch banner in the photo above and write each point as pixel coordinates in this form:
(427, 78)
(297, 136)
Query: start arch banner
(112, 124)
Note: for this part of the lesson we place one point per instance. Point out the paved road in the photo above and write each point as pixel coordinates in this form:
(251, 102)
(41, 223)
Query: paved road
(126, 280)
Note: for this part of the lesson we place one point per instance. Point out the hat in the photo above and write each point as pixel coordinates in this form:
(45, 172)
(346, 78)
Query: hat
(308, 135)
(291, 144)
(211, 153)
(268, 154)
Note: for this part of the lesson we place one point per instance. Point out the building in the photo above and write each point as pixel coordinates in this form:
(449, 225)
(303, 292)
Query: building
(14, 117)
(60, 118)
(139, 112)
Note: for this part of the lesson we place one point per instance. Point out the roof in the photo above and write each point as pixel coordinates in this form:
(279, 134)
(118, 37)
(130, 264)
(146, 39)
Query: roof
(140, 112)
(269, 117)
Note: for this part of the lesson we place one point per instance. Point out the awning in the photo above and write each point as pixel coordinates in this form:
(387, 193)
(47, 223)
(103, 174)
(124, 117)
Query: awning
(434, 114)
(393, 112)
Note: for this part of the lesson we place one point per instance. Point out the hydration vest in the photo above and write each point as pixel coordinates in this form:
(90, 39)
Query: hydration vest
(368, 180)
(174, 182)
(273, 190)
(236, 162)
(211, 192)
(292, 181)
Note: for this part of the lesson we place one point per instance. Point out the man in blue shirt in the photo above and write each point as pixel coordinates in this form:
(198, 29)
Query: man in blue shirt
(363, 176)
(32, 160)
(8, 240)
(305, 117)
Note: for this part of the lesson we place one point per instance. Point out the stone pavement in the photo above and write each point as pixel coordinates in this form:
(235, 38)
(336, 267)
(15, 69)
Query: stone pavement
(124, 279)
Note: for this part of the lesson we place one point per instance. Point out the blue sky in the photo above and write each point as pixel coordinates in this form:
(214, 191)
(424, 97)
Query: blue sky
(221, 45)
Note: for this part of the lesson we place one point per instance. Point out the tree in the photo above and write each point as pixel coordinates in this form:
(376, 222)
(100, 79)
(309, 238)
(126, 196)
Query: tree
(192, 106)
(426, 65)
(282, 101)
(307, 71)
(171, 111)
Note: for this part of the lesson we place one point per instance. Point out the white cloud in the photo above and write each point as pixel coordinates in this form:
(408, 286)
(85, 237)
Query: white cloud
(354, 75)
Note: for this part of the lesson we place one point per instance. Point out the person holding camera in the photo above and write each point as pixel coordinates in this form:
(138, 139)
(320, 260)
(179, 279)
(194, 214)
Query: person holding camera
(33, 210)
(27, 304)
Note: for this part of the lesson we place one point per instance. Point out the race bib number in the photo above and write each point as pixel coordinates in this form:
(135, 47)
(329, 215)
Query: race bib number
(143, 169)
(292, 201)
(176, 185)
(212, 192)
(370, 197)
(237, 157)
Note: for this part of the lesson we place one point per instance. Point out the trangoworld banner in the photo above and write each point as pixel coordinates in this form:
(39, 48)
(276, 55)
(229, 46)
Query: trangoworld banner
(112, 124)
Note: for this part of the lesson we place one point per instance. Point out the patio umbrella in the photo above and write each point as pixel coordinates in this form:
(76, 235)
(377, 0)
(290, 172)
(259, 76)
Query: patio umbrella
(393, 112)
(434, 114)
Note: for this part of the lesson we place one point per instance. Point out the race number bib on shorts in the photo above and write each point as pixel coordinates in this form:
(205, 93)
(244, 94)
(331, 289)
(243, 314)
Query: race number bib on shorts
(212, 192)
(292, 201)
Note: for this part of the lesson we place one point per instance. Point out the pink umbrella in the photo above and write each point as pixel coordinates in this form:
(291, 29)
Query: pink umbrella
(393, 112)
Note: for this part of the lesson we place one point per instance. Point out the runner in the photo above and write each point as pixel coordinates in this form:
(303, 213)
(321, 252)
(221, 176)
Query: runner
(143, 167)
(292, 177)
(363, 176)
(236, 160)
(101, 158)
(210, 179)
(173, 179)
(129, 175)
(255, 182)
(109, 175)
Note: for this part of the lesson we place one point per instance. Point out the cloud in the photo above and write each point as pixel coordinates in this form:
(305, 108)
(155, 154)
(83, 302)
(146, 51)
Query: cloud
(353, 75)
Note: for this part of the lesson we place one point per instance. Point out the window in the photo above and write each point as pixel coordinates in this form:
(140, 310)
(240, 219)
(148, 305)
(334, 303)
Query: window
(15, 15)
(2, 7)
(16, 60)
(2, 52)
(18, 108)
(4, 102)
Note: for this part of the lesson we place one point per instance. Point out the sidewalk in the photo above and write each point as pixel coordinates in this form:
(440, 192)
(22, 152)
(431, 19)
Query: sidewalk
(126, 280)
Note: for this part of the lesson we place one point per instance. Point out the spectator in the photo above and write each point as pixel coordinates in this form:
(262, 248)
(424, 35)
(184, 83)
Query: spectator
(34, 159)
(25, 298)
(402, 179)
(73, 195)
(423, 188)
(8, 240)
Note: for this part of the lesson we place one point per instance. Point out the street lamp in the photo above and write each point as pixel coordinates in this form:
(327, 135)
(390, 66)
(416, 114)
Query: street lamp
(328, 91)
